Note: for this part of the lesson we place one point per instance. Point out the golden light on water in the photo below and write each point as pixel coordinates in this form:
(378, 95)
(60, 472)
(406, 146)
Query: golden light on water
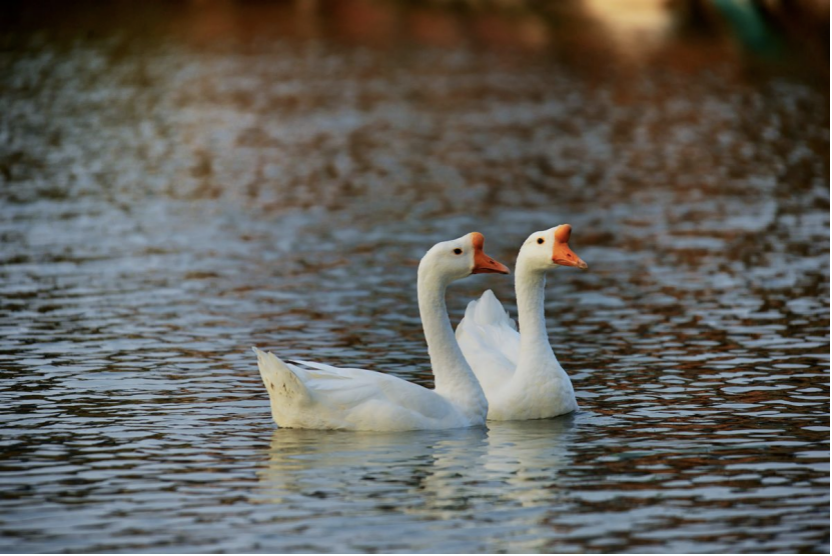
(635, 25)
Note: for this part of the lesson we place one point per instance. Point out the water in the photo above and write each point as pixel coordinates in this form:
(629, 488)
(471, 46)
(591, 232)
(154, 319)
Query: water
(177, 188)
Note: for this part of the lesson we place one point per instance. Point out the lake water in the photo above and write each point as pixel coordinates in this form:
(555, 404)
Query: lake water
(179, 184)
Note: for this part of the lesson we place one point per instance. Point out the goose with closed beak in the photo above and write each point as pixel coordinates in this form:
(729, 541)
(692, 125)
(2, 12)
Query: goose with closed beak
(518, 371)
(316, 396)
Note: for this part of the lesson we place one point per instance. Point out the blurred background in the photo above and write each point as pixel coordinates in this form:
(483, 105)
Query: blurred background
(211, 98)
(181, 180)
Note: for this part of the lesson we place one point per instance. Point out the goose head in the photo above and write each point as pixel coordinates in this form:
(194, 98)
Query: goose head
(458, 258)
(549, 249)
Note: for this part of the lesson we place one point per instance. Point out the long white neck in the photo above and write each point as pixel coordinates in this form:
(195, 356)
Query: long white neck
(536, 353)
(454, 379)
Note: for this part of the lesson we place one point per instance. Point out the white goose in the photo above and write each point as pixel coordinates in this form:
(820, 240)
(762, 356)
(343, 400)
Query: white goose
(518, 371)
(316, 396)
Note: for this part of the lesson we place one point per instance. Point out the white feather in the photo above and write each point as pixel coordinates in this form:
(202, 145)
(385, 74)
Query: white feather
(317, 396)
(489, 340)
(327, 397)
(518, 371)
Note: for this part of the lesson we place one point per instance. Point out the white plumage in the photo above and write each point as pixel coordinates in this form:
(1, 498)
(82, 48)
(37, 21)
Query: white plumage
(490, 342)
(317, 396)
(518, 371)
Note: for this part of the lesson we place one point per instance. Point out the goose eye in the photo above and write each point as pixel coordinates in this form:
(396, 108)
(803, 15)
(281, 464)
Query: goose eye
(457, 251)
(540, 240)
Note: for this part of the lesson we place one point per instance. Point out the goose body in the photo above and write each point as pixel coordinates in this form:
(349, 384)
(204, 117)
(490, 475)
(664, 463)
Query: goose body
(318, 396)
(315, 396)
(519, 373)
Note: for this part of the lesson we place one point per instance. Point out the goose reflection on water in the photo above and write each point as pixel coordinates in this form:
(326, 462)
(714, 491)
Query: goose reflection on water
(422, 473)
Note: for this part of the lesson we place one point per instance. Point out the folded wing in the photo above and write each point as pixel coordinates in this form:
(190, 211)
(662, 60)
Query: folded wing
(489, 341)
(314, 395)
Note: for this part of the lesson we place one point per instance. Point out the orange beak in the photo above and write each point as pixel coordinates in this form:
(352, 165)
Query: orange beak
(483, 264)
(561, 253)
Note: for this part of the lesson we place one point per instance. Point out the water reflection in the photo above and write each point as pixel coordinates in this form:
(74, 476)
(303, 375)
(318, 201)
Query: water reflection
(425, 482)
(540, 486)
(520, 454)
(312, 463)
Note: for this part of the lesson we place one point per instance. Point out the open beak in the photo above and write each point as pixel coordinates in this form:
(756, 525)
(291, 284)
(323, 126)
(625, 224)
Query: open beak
(483, 264)
(561, 253)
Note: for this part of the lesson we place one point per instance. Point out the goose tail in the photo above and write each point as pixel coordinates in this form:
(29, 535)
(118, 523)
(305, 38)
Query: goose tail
(281, 382)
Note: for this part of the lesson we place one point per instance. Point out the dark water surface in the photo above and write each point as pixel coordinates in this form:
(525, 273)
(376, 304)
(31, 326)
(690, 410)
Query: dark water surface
(176, 187)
